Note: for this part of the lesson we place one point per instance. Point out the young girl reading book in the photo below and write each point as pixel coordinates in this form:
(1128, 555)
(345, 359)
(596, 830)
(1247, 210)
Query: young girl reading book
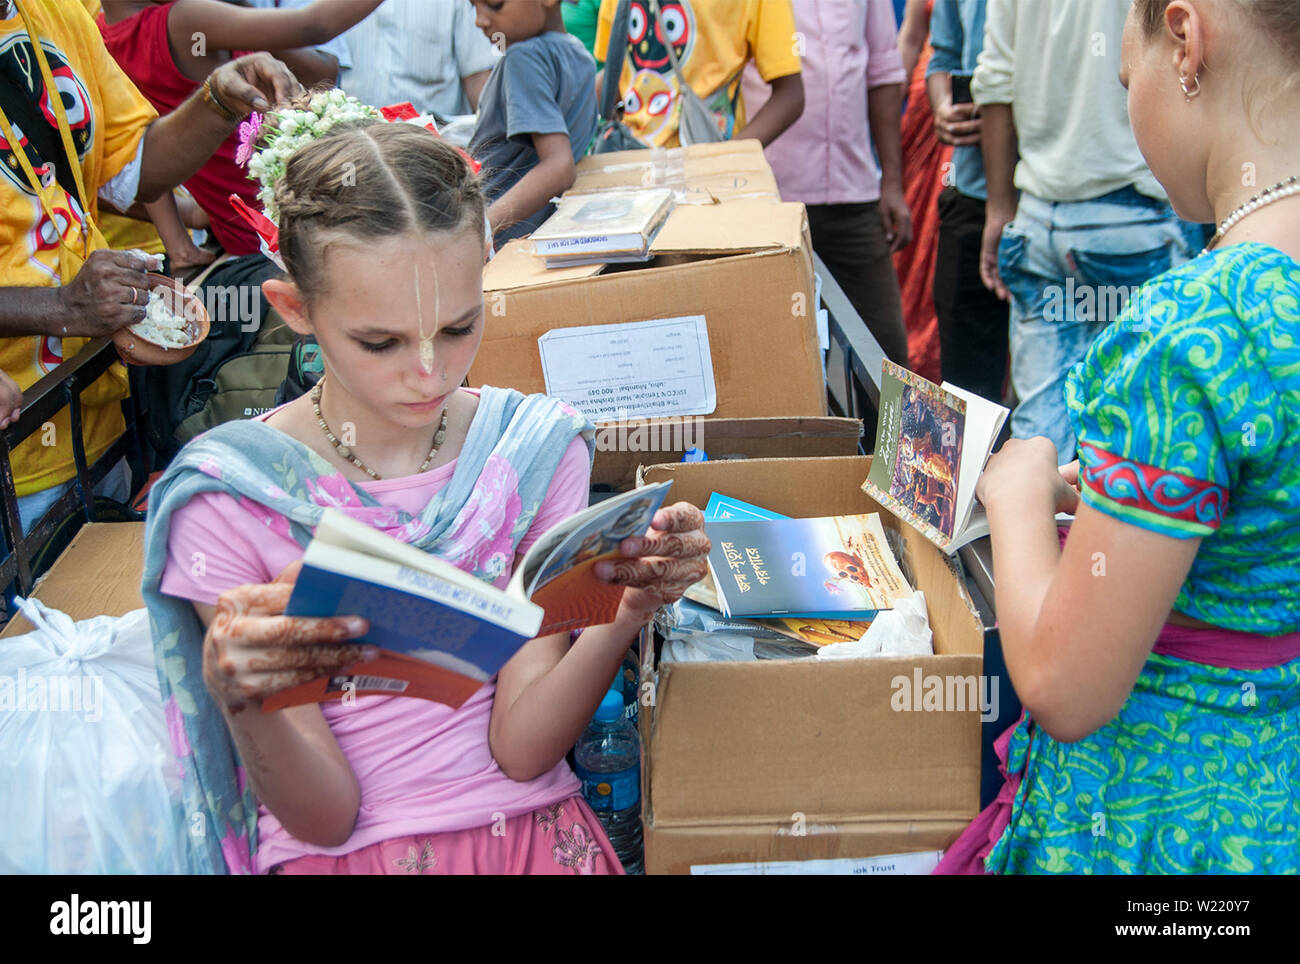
(382, 233)
(1157, 651)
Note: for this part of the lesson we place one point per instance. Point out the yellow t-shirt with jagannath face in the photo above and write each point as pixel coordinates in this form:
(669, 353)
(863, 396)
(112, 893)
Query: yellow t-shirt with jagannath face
(713, 40)
(107, 117)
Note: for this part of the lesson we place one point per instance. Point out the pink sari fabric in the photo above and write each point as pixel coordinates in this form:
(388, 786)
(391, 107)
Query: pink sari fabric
(564, 838)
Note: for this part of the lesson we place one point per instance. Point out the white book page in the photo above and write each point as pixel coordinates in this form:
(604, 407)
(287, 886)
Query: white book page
(983, 422)
(340, 529)
(635, 369)
(482, 600)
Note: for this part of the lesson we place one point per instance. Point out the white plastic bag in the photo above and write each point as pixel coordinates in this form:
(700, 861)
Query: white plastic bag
(87, 773)
(901, 631)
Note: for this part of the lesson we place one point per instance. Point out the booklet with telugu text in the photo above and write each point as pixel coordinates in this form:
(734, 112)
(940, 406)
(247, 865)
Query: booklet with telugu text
(827, 567)
(932, 442)
(442, 633)
(817, 629)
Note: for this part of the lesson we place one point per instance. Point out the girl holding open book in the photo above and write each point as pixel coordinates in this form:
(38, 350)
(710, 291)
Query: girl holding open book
(382, 233)
(1157, 650)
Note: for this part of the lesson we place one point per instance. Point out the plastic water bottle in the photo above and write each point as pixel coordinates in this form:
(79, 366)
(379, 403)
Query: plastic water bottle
(628, 681)
(608, 761)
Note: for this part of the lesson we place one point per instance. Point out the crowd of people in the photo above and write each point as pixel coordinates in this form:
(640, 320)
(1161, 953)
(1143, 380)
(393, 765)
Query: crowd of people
(1083, 208)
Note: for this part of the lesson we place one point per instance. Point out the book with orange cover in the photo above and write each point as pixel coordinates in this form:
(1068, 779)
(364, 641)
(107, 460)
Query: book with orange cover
(441, 632)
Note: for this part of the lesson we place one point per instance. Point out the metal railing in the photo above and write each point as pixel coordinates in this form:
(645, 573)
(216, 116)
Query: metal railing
(854, 362)
(852, 375)
(61, 387)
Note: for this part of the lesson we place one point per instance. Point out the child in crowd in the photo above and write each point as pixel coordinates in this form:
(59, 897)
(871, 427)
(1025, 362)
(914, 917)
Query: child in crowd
(713, 40)
(169, 48)
(382, 232)
(1157, 652)
(537, 113)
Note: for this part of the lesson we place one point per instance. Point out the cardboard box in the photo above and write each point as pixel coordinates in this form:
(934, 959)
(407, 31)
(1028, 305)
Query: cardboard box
(97, 575)
(621, 448)
(746, 267)
(808, 759)
(700, 174)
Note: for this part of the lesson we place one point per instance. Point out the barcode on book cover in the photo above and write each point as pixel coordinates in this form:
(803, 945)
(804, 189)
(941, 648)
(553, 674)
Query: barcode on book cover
(340, 683)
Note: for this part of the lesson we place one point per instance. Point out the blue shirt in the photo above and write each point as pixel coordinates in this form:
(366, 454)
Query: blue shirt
(957, 34)
(543, 85)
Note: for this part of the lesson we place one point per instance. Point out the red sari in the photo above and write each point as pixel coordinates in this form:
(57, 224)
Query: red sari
(925, 164)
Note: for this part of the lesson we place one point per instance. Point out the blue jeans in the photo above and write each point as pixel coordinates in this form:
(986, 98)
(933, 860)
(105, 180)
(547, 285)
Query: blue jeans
(115, 485)
(1070, 267)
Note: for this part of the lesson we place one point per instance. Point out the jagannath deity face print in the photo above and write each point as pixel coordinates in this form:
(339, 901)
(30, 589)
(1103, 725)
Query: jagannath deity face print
(648, 37)
(648, 105)
(19, 65)
(651, 95)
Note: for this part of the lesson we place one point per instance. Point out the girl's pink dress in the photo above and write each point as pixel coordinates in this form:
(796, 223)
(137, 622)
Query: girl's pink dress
(433, 799)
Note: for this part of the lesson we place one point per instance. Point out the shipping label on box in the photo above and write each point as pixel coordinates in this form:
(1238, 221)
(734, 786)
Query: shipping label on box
(601, 369)
(748, 277)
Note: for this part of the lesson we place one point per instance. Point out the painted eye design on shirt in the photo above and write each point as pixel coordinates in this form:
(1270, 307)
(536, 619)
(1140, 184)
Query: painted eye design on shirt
(632, 102)
(674, 27)
(636, 23)
(659, 103)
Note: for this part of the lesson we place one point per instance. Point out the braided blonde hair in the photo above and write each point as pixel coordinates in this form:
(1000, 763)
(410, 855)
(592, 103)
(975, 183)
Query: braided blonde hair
(366, 181)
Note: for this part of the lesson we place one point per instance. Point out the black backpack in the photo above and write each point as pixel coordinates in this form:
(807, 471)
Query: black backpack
(236, 372)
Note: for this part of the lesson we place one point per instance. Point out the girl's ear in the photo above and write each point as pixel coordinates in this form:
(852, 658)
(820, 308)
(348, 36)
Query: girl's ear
(286, 298)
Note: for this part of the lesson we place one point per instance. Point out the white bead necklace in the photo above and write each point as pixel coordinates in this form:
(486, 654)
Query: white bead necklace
(1277, 192)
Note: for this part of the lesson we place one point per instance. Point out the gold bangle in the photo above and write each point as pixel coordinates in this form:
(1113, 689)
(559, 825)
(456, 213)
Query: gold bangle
(210, 98)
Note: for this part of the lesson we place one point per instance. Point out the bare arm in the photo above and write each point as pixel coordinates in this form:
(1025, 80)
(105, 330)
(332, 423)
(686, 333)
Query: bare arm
(181, 249)
(178, 144)
(998, 142)
(782, 109)
(912, 34)
(473, 87)
(884, 111)
(553, 175)
(292, 759)
(103, 297)
(1076, 626)
(549, 691)
(224, 26)
(30, 311)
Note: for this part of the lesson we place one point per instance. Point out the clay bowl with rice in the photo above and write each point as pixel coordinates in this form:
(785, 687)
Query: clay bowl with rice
(175, 323)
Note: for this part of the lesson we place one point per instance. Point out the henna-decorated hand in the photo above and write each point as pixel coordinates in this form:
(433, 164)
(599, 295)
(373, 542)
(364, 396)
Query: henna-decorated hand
(660, 566)
(253, 650)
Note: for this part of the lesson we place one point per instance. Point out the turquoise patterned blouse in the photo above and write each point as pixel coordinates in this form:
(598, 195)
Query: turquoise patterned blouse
(1187, 412)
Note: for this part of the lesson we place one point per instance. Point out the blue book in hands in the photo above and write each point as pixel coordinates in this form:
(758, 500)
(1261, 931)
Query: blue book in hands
(442, 633)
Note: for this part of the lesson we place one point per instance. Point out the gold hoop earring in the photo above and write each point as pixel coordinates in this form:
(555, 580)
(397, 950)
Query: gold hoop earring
(1192, 92)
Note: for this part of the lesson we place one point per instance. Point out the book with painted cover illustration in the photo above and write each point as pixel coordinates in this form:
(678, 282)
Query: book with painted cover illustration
(931, 445)
(441, 632)
(609, 226)
(827, 567)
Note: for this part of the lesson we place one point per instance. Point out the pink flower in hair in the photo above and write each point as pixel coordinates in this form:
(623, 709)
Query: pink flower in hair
(249, 131)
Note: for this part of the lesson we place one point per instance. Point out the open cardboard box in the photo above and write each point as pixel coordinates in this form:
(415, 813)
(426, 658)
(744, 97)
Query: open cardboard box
(699, 174)
(805, 759)
(745, 266)
(622, 448)
(98, 574)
